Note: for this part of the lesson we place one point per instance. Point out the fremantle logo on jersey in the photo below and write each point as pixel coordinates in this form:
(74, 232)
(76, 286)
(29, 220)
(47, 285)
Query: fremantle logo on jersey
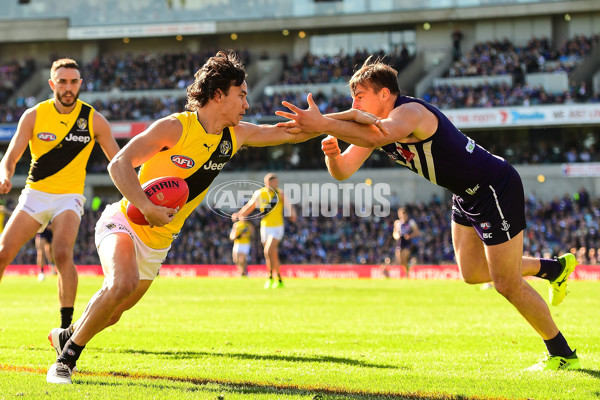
(399, 153)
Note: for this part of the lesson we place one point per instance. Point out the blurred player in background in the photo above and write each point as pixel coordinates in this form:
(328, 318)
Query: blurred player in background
(61, 133)
(131, 255)
(4, 212)
(271, 203)
(43, 243)
(488, 213)
(241, 233)
(405, 231)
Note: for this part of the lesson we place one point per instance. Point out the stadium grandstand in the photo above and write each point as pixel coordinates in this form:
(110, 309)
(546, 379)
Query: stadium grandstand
(522, 78)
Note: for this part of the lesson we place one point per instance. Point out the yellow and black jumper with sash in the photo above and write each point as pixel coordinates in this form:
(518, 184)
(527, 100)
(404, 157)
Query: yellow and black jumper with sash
(60, 147)
(198, 157)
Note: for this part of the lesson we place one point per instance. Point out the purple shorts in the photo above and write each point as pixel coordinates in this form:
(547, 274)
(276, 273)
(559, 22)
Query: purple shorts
(498, 211)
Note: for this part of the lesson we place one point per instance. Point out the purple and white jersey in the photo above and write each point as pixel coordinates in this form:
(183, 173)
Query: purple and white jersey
(448, 158)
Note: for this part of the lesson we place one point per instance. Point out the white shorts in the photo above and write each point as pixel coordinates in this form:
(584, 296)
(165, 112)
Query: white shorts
(241, 248)
(267, 231)
(43, 207)
(113, 221)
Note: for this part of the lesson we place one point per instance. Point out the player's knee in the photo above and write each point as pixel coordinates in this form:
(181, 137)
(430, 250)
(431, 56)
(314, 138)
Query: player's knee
(507, 288)
(471, 277)
(122, 288)
(62, 256)
(114, 318)
(6, 257)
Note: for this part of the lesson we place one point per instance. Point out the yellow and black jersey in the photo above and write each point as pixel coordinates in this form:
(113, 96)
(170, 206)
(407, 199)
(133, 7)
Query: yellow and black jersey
(60, 148)
(243, 232)
(270, 204)
(197, 157)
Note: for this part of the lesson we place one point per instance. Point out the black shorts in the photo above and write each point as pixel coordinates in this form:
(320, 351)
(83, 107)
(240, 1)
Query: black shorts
(498, 212)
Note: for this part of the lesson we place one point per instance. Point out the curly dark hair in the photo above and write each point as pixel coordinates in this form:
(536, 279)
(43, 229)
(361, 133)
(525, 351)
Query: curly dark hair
(219, 72)
(376, 74)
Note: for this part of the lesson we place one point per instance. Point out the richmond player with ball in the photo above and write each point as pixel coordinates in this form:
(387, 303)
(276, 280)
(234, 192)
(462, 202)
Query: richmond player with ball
(194, 146)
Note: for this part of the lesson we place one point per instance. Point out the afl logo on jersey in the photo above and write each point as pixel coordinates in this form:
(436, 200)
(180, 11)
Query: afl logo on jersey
(182, 161)
(46, 136)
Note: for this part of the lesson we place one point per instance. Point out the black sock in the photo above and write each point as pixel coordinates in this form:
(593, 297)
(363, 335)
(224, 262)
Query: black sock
(558, 346)
(65, 335)
(549, 269)
(70, 354)
(66, 316)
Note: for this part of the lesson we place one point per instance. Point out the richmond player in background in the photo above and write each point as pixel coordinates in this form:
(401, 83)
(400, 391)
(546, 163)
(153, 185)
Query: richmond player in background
(241, 233)
(271, 203)
(61, 133)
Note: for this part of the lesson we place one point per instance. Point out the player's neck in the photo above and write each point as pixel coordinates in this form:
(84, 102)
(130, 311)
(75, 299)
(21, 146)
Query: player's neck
(62, 109)
(210, 121)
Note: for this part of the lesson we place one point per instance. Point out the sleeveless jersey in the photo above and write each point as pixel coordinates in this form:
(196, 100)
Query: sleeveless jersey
(197, 157)
(243, 232)
(60, 148)
(272, 204)
(448, 158)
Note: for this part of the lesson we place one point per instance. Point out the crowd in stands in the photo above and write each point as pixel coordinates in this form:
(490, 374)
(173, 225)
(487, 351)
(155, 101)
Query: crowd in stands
(502, 57)
(122, 72)
(504, 95)
(568, 223)
(338, 68)
(126, 72)
(12, 75)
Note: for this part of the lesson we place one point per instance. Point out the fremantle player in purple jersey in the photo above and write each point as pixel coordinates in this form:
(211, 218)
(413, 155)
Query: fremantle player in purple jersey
(488, 210)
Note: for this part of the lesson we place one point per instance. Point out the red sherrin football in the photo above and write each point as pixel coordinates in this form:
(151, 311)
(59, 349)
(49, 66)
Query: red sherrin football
(167, 191)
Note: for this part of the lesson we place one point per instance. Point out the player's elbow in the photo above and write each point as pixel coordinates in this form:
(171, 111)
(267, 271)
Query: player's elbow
(116, 163)
(340, 176)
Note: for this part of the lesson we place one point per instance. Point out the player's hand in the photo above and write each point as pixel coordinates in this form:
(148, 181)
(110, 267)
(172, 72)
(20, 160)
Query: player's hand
(308, 121)
(5, 186)
(330, 147)
(158, 216)
(234, 216)
(366, 118)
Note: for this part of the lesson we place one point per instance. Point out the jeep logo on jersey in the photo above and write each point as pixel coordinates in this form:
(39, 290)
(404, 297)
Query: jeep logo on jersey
(214, 166)
(82, 124)
(46, 136)
(182, 161)
(76, 138)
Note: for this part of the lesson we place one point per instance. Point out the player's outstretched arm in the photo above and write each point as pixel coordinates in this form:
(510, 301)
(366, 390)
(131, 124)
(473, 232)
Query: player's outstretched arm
(343, 165)
(267, 135)
(15, 150)
(164, 133)
(104, 137)
(354, 126)
(247, 208)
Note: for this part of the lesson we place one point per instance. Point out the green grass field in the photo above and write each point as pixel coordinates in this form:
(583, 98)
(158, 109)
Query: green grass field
(315, 339)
